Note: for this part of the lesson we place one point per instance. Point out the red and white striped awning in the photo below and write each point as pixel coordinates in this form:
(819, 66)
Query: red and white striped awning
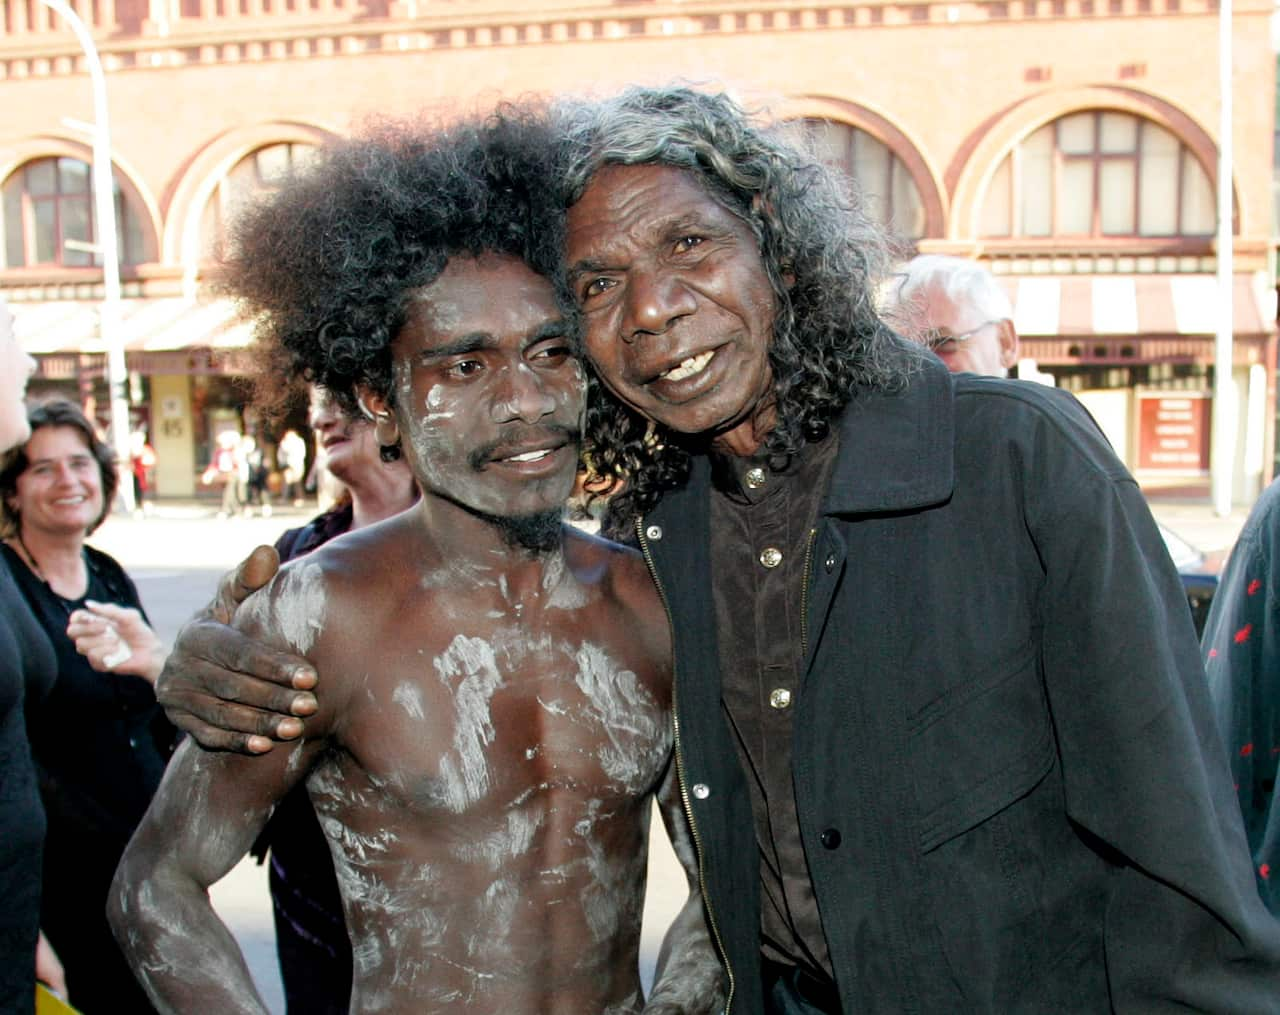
(1135, 305)
(146, 325)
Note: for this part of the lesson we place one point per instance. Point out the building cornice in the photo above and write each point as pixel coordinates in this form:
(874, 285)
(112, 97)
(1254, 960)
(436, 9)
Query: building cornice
(343, 27)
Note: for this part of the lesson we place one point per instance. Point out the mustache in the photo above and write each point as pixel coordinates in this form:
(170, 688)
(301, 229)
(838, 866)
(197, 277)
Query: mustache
(517, 440)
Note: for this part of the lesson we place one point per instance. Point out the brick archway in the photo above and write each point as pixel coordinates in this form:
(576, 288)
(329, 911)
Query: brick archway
(191, 191)
(51, 146)
(978, 158)
(894, 137)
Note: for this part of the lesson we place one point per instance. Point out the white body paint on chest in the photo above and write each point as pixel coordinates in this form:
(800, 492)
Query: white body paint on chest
(409, 697)
(469, 669)
(629, 715)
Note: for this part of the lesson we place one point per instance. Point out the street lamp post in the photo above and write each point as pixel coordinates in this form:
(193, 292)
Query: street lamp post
(105, 246)
(1223, 453)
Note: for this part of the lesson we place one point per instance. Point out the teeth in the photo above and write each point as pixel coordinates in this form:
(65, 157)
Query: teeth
(530, 456)
(691, 366)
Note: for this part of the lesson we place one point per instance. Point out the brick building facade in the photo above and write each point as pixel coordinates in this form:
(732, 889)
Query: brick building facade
(1070, 144)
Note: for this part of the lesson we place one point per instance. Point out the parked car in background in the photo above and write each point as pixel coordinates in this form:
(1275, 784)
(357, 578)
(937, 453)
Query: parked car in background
(1199, 573)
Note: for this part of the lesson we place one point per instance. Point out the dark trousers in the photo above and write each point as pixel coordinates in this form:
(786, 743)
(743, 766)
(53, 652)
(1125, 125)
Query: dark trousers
(789, 990)
(314, 952)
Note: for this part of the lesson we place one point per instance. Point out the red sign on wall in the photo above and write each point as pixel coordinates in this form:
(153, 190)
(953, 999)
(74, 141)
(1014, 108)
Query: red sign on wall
(1173, 432)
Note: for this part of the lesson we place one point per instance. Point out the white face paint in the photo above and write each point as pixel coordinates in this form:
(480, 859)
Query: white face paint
(486, 391)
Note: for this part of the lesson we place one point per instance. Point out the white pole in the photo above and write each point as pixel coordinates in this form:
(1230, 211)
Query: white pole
(1222, 456)
(105, 244)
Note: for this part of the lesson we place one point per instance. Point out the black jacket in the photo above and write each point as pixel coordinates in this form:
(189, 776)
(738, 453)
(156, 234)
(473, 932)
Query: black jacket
(1010, 790)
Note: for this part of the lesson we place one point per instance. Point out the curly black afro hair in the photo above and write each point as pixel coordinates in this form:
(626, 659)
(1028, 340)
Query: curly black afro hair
(325, 265)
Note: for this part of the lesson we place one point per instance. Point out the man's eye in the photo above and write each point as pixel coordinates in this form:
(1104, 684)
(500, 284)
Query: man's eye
(555, 354)
(688, 242)
(464, 368)
(597, 286)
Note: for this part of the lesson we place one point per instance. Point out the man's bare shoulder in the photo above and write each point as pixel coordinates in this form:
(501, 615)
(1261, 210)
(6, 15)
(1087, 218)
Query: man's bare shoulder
(323, 603)
(622, 575)
(593, 558)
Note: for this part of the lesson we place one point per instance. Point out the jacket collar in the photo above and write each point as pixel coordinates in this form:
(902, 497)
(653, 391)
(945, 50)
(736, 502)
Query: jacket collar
(897, 449)
(897, 452)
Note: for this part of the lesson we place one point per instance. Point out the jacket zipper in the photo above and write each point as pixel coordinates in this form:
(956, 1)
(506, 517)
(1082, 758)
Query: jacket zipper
(680, 777)
(804, 595)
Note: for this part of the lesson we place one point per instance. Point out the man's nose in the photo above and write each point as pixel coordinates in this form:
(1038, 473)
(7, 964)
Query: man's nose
(655, 301)
(521, 394)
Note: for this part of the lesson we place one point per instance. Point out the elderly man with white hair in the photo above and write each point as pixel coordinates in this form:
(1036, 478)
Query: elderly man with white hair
(957, 309)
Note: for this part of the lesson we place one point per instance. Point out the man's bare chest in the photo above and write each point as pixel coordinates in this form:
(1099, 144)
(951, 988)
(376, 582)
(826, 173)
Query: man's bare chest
(471, 724)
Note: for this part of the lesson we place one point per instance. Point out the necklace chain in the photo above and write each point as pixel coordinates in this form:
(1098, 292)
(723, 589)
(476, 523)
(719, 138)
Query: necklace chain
(39, 573)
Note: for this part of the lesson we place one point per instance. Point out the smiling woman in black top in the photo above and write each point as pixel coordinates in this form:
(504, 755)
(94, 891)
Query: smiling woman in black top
(98, 740)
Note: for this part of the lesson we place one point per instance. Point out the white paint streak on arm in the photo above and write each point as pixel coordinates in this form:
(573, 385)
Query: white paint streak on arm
(204, 817)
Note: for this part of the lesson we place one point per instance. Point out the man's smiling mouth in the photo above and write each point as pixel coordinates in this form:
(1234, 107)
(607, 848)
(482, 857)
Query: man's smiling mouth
(688, 368)
(529, 456)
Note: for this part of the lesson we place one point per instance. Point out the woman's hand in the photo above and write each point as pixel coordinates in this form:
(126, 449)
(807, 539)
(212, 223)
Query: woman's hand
(49, 968)
(116, 639)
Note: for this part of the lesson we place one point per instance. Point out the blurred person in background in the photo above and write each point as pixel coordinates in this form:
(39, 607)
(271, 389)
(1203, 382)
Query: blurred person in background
(1241, 648)
(291, 456)
(27, 671)
(957, 309)
(142, 463)
(99, 741)
(311, 934)
(224, 470)
(255, 464)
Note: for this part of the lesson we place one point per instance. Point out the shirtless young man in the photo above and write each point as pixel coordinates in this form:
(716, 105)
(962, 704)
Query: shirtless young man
(497, 710)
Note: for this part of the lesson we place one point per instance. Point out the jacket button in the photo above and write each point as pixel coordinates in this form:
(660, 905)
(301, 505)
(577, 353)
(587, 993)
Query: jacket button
(830, 562)
(770, 557)
(755, 478)
(779, 697)
(830, 838)
(701, 790)
(653, 532)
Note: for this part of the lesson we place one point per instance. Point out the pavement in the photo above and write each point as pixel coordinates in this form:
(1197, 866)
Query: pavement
(176, 552)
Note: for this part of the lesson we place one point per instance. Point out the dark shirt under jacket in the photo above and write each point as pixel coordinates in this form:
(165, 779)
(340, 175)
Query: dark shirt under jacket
(762, 520)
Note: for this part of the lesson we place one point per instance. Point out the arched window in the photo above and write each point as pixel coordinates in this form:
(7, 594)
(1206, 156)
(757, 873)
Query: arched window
(261, 171)
(883, 178)
(1099, 174)
(49, 219)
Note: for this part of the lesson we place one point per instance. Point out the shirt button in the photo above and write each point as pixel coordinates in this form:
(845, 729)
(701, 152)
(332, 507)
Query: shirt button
(653, 532)
(701, 790)
(755, 478)
(771, 556)
(830, 838)
(830, 562)
(779, 697)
